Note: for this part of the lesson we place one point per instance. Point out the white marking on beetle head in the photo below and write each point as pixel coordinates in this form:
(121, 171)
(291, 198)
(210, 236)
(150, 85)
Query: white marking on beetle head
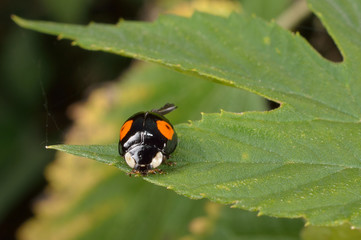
(157, 160)
(130, 161)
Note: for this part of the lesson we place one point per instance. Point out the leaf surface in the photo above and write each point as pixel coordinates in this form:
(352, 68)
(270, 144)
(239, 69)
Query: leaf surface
(301, 160)
(89, 200)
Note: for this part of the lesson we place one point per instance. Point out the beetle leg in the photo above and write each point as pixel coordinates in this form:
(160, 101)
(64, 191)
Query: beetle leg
(134, 173)
(156, 171)
(167, 162)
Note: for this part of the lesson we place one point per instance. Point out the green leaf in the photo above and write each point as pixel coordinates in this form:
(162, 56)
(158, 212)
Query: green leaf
(301, 160)
(89, 200)
(115, 206)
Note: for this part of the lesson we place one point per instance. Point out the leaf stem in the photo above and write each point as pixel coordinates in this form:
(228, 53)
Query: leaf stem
(294, 15)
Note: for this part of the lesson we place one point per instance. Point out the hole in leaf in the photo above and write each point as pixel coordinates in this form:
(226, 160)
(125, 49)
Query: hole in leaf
(316, 34)
(272, 105)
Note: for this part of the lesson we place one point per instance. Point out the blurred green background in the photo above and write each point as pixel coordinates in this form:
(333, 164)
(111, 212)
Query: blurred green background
(40, 77)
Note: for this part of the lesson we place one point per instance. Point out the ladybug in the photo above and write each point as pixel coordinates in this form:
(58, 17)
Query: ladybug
(147, 139)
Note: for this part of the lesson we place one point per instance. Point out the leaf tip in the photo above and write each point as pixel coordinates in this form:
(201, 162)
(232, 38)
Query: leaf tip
(54, 147)
(18, 20)
(14, 17)
(120, 21)
(259, 214)
(203, 195)
(60, 37)
(234, 204)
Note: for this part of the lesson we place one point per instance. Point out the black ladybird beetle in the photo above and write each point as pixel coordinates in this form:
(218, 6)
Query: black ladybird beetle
(147, 139)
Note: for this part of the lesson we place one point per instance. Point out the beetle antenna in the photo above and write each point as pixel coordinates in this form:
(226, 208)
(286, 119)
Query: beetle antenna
(167, 108)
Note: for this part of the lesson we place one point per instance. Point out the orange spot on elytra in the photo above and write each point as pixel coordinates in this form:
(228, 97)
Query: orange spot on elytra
(165, 129)
(125, 128)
